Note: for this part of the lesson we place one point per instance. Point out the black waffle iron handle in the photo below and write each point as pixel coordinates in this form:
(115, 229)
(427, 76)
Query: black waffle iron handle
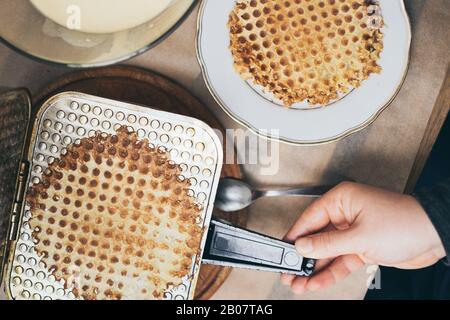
(230, 246)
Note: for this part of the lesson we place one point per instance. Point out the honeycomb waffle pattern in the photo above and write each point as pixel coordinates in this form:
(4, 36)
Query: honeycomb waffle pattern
(112, 215)
(64, 124)
(311, 50)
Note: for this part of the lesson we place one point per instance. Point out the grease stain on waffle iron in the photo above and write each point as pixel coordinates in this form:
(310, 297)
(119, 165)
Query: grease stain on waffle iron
(113, 219)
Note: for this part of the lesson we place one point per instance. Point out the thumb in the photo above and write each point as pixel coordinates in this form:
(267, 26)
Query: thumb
(327, 244)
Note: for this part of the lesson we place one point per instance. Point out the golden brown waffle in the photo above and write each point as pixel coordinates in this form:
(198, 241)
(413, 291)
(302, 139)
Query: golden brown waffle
(305, 49)
(113, 218)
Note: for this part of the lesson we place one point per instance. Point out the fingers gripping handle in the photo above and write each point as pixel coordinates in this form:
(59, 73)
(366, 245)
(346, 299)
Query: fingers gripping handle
(235, 247)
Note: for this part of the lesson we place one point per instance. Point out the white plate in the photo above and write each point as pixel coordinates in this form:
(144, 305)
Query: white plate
(301, 126)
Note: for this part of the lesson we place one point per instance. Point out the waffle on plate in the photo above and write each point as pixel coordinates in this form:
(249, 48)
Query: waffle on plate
(313, 50)
(113, 219)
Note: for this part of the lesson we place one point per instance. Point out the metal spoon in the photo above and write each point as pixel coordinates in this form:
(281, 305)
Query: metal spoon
(234, 194)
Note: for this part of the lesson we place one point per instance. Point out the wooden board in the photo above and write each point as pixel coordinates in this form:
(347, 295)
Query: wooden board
(144, 87)
(437, 119)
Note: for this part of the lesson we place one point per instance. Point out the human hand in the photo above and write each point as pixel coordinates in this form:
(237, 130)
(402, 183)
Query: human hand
(355, 224)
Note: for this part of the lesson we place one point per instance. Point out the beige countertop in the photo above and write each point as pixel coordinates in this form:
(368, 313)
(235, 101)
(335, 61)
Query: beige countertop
(381, 155)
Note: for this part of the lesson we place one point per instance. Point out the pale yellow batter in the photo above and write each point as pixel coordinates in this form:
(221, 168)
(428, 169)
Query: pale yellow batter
(101, 16)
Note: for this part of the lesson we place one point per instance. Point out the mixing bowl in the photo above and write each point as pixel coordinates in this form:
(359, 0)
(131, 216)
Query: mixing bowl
(27, 27)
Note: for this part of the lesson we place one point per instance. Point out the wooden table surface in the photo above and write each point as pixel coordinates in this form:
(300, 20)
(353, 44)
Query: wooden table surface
(389, 154)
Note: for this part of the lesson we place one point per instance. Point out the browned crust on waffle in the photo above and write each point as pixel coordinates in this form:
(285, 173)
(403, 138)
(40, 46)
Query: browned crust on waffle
(304, 49)
(113, 218)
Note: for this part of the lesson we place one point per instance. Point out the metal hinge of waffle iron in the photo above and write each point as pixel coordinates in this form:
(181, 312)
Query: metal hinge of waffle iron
(19, 197)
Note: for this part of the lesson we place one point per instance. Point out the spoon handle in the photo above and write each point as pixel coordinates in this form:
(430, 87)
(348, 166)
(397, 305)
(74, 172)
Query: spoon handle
(316, 191)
